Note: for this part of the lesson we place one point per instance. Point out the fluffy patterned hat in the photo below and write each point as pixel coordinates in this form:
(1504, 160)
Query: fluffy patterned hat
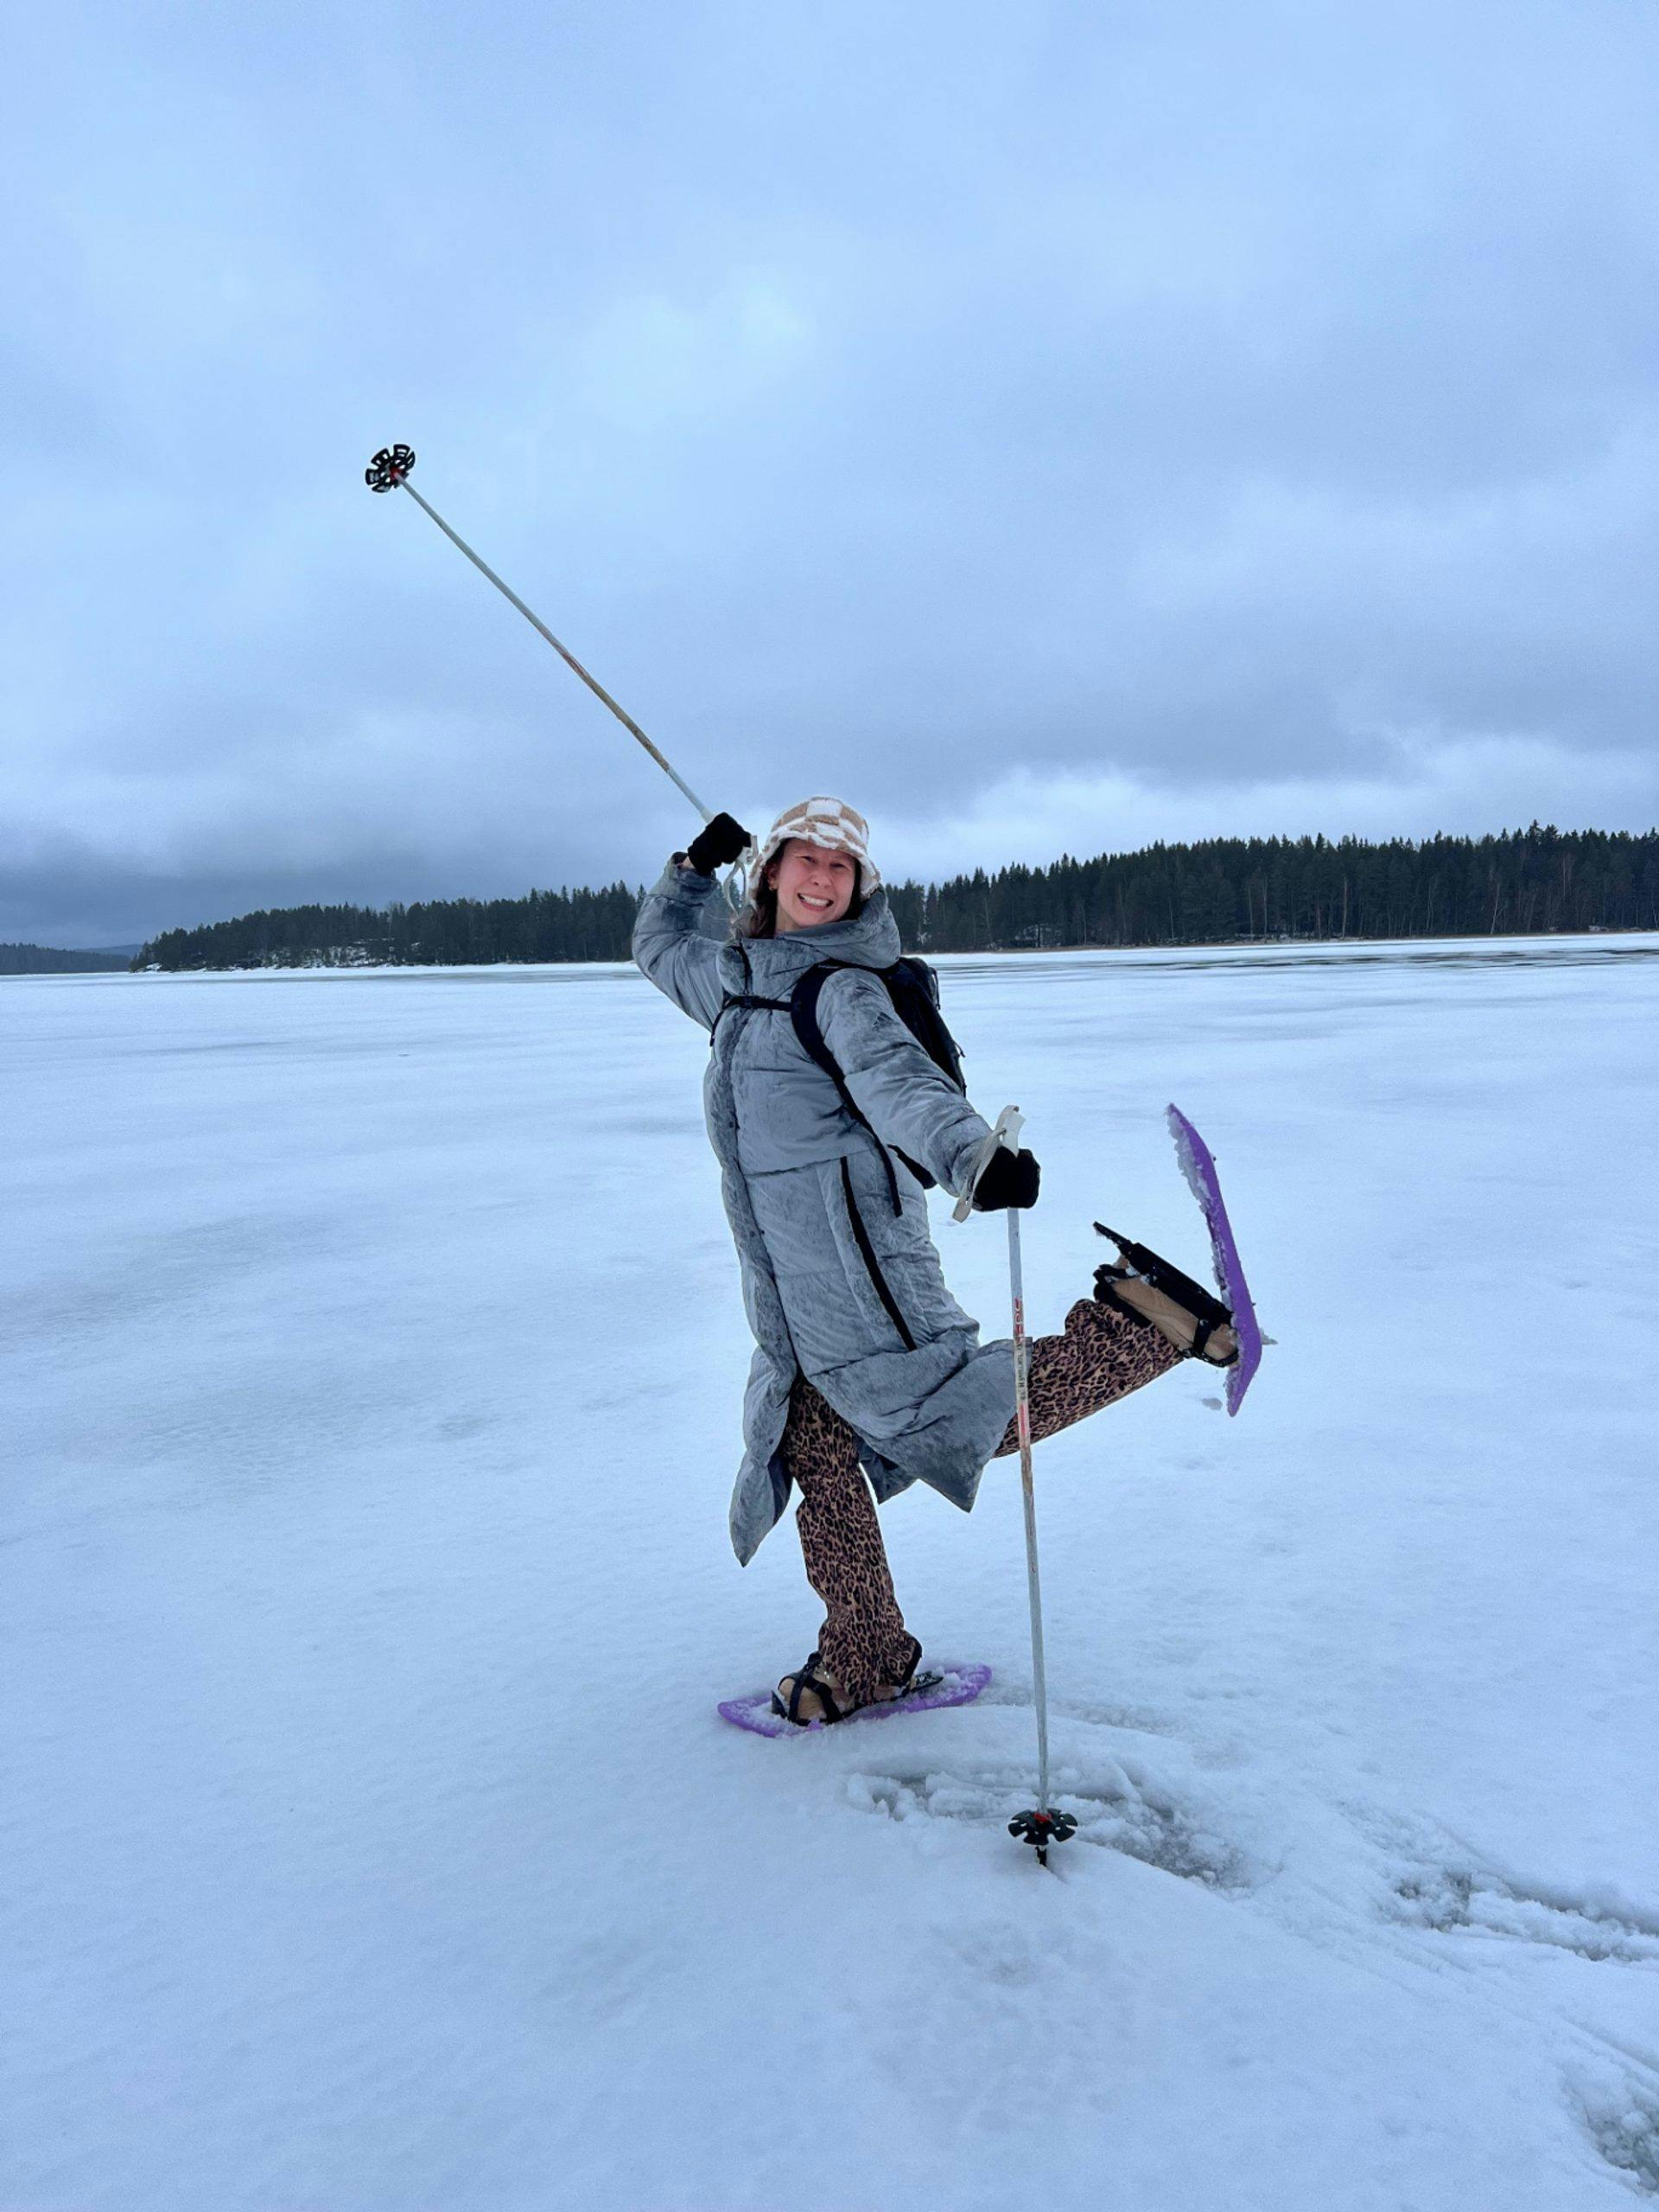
(827, 821)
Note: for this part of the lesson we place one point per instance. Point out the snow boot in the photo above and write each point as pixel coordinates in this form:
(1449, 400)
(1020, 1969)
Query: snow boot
(1151, 1291)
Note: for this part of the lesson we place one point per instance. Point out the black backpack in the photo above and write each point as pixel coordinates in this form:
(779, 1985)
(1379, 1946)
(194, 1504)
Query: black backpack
(913, 987)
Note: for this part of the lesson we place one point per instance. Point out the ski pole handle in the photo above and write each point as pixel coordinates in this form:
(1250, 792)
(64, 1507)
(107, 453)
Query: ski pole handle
(1009, 1122)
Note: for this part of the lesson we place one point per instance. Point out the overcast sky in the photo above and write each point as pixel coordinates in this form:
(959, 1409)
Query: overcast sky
(1049, 427)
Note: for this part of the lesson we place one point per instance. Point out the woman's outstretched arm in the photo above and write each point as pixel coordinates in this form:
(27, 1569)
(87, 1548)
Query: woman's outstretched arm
(908, 1101)
(669, 944)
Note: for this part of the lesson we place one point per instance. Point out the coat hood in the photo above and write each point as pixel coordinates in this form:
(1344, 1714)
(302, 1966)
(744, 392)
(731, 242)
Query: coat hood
(870, 939)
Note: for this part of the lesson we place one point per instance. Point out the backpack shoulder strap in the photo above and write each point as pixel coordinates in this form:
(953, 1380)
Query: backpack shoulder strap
(804, 1012)
(745, 998)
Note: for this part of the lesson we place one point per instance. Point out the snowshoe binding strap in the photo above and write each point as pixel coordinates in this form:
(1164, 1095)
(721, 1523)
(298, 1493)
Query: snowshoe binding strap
(1142, 1263)
(915, 1683)
(806, 1678)
(907, 1683)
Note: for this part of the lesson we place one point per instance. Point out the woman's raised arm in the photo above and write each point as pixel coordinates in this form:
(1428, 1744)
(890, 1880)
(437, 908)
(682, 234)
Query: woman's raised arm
(669, 944)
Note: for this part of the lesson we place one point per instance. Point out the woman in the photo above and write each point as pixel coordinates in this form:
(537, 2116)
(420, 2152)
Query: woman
(861, 1353)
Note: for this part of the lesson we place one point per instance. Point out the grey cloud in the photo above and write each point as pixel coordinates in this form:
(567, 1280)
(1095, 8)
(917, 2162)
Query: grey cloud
(1230, 405)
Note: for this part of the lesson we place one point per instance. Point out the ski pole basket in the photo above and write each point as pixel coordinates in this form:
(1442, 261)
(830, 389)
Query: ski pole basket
(389, 468)
(1040, 1829)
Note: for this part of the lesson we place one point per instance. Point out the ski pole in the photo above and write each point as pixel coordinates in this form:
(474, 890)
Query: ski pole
(389, 471)
(1041, 1825)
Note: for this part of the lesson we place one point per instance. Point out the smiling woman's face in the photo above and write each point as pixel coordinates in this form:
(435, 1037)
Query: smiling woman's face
(813, 884)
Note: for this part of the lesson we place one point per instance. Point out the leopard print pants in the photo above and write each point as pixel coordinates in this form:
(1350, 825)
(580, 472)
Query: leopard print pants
(1101, 1355)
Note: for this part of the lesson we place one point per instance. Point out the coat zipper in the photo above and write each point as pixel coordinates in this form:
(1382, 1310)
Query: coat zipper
(882, 1288)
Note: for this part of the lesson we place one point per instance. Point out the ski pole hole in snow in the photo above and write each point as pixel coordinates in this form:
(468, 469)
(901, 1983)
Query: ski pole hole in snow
(1159, 1832)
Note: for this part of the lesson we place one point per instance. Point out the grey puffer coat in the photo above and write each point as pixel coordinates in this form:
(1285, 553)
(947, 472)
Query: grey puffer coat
(837, 1285)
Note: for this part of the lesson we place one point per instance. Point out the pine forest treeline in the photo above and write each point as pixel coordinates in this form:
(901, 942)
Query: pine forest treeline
(48, 960)
(448, 933)
(1221, 890)
(1230, 888)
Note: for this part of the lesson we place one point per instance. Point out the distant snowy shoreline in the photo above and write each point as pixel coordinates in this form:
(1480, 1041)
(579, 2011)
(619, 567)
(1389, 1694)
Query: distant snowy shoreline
(1281, 948)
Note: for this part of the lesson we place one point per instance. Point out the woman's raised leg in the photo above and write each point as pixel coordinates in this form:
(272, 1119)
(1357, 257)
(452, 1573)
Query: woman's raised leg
(1101, 1355)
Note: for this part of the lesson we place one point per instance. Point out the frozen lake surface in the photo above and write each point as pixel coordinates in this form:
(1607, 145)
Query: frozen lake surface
(374, 1359)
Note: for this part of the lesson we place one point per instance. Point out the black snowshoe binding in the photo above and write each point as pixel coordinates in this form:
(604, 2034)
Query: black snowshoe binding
(1140, 1264)
(809, 1681)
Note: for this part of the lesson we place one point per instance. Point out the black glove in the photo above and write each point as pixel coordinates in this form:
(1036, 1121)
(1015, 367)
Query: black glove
(718, 845)
(1010, 1179)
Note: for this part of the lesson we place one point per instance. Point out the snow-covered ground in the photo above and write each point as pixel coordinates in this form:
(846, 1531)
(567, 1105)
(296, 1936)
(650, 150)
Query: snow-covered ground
(373, 1354)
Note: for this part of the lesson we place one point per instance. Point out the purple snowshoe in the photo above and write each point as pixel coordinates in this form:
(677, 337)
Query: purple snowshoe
(1200, 1168)
(952, 1686)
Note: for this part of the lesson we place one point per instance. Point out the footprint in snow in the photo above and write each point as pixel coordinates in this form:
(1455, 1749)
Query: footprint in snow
(1462, 1900)
(1621, 2120)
